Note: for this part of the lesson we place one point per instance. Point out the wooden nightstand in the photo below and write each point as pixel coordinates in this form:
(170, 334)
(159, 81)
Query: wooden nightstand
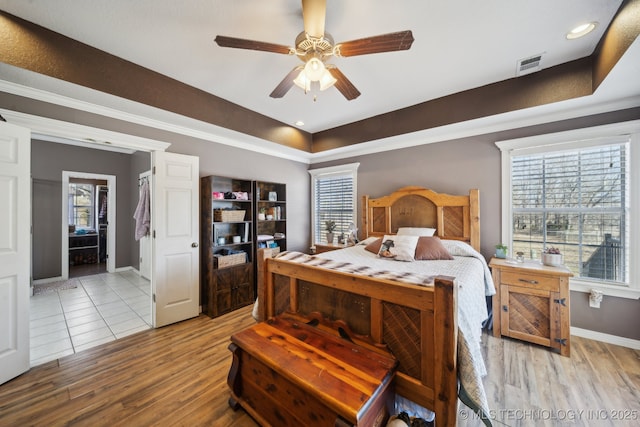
(326, 247)
(532, 303)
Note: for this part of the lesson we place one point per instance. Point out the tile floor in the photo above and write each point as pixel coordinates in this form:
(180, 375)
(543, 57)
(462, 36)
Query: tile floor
(103, 308)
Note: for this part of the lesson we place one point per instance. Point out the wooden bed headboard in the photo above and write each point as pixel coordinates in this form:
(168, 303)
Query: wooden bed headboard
(453, 217)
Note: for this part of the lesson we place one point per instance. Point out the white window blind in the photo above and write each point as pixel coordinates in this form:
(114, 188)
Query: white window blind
(333, 199)
(576, 200)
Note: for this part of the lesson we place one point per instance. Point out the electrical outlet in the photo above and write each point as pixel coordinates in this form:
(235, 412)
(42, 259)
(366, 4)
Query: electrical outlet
(595, 298)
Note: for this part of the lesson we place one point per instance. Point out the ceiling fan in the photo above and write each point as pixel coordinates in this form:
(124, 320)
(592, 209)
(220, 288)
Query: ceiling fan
(314, 46)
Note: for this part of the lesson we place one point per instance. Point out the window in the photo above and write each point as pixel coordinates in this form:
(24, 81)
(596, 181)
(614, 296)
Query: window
(574, 194)
(333, 196)
(575, 201)
(81, 206)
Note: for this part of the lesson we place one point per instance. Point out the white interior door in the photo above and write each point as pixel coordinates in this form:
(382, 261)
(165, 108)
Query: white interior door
(15, 249)
(175, 228)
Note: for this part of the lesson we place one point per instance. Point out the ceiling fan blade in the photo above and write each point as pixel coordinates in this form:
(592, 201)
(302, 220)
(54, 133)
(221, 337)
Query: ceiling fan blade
(314, 14)
(346, 88)
(401, 40)
(224, 41)
(286, 83)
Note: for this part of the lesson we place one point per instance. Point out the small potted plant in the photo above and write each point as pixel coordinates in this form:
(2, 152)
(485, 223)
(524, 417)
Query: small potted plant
(330, 226)
(551, 256)
(261, 214)
(501, 250)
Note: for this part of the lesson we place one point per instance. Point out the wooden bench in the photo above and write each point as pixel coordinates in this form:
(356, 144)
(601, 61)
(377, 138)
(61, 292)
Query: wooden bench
(286, 372)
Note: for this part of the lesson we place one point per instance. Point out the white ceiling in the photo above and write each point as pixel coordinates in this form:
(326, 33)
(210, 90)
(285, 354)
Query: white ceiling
(458, 46)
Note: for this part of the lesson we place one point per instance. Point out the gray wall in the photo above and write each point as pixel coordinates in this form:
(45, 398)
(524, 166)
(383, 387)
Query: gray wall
(438, 166)
(48, 160)
(46, 207)
(452, 166)
(224, 160)
(456, 166)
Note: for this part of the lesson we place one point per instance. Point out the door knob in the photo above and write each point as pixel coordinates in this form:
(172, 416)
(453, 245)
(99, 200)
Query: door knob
(194, 245)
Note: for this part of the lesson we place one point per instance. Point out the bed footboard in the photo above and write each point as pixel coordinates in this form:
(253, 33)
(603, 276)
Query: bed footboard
(417, 324)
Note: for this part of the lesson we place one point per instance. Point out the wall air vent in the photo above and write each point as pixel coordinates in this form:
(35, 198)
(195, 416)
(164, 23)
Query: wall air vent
(529, 65)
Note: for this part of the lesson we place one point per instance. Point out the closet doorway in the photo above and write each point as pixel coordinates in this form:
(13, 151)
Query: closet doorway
(88, 223)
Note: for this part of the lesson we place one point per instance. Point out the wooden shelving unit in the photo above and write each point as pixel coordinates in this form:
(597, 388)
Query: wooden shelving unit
(271, 201)
(230, 240)
(227, 245)
(83, 249)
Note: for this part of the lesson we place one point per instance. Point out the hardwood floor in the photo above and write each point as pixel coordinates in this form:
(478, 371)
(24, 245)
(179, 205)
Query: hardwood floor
(171, 376)
(176, 376)
(528, 385)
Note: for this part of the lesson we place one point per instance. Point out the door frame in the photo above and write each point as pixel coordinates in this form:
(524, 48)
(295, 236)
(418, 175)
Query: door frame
(111, 218)
(144, 245)
(85, 136)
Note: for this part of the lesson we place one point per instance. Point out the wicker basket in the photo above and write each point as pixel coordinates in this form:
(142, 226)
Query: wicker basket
(222, 261)
(221, 215)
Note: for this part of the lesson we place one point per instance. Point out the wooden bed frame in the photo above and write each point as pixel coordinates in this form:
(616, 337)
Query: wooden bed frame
(417, 324)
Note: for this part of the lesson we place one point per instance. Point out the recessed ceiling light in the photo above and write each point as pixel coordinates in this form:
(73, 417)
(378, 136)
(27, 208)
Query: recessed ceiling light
(299, 123)
(581, 30)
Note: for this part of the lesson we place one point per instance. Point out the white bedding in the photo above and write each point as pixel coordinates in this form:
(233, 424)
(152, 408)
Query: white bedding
(468, 267)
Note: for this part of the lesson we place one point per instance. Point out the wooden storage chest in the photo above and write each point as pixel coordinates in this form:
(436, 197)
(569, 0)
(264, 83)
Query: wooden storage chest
(288, 373)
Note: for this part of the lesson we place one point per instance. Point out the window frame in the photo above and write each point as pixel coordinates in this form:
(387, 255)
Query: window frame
(583, 138)
(72, 212)
(316, 174)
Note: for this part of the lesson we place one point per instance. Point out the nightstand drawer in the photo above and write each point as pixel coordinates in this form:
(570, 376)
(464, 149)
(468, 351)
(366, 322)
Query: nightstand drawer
(534, 281)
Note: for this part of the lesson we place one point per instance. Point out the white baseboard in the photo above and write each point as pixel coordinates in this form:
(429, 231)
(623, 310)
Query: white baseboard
(610, 339)
(122, 269)
(47, 280)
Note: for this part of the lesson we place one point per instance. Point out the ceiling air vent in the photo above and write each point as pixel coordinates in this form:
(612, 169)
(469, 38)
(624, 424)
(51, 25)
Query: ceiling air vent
(528, 65)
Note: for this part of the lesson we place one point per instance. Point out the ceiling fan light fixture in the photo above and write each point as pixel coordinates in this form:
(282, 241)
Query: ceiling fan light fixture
(314, 69)
(327, 80)
(313, 46)
(302, 81)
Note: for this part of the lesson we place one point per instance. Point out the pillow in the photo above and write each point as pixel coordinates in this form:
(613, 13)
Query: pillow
(368, 240)
(374, 245)
(400, 248)
(430, 248)
(416, 231)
